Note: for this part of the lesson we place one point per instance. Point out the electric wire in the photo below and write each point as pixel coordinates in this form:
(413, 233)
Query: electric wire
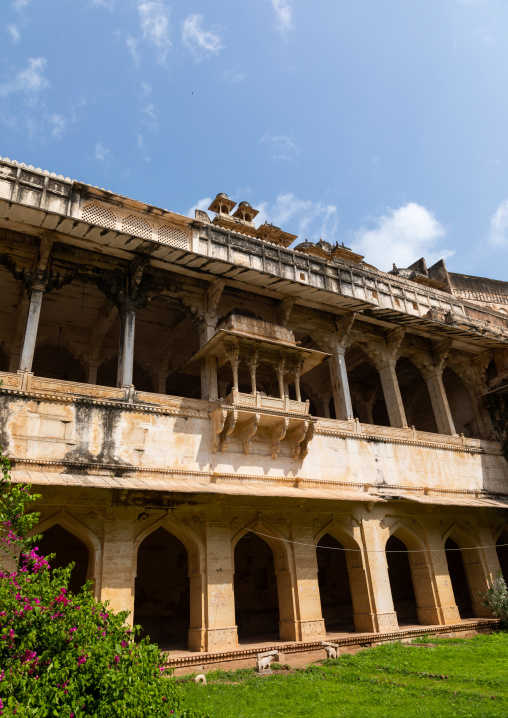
(361, 550)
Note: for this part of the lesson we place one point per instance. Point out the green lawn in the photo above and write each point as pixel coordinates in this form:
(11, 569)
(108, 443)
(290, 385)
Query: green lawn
(463, 678)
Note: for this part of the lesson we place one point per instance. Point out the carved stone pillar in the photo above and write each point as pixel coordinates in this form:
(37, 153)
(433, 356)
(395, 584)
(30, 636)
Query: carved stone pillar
(444, 610)
(310, 625)
(126, 348)
(431, 369)
(93, 367)
(374, 539)
(336, 344)
(384, 357)
(219, 624)
(253, 365)
(119, 566)
(233, 353)
(32, 325)
(340, 384)
(280, 368)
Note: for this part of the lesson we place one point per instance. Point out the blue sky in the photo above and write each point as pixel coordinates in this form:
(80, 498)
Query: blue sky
(380, 123)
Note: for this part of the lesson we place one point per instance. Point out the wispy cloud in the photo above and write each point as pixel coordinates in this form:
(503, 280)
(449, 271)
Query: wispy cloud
(14, 33)
(499, 226)
(203, 204)
(104, 3)
(150, 119)
(29, 81)
(306, 218)
(401, 236)
(282, 147)
(201, 43)
(101, 152)
(284, 14)
(20, 5)
(132, 45)
(58, 125)
(155, 26)
(234, 77)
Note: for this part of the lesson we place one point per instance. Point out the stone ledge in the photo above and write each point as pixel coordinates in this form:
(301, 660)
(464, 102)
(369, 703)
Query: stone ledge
(354, 639)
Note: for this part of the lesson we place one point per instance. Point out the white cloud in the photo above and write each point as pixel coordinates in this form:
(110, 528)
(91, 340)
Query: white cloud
(402, 236)
(58, 125)
(132, 45)
(101, 152)
(19, 5)
(201, 43)
(284, 15)
(154, 17)
(14, 33)
(203, 204)
(499, 226)
(104, 3)
(282, 146)
(150, 119)
(30, 81)
(146, 89)
(234, 77)
(305, 218)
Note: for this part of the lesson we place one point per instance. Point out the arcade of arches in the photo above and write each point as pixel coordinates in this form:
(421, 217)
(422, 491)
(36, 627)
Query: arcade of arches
(271, 589)
(78, 337)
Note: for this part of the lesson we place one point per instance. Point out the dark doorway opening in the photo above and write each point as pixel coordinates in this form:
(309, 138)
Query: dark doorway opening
(256, 594)
(67, 548)
(334, 588)
(162, 595)
(401, 581)
(458, 577)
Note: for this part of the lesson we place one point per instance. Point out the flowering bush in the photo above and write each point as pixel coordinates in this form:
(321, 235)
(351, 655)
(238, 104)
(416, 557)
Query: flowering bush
(68, 655)
(496, 598)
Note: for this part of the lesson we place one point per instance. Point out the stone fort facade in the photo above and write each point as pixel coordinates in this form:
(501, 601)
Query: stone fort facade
(238, 441)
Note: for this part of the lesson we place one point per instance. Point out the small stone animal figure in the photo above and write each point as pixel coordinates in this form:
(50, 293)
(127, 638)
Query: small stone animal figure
(263, 664)
(200, 680)
(331, 652)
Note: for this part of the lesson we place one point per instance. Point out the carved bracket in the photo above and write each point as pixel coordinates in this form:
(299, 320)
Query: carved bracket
(248, 430)
(299, 438)
(229, 427)
(277, 433)
(219, 417)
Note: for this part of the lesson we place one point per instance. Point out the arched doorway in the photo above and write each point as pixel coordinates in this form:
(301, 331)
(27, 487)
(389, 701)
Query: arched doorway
(67, 548)
(256, 594)
(334, 588)
(401, 581)
(502, 553)
(458, 578)
(162, 590)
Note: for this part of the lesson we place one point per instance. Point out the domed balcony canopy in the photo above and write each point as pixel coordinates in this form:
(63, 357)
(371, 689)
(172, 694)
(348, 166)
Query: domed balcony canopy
(222, 204)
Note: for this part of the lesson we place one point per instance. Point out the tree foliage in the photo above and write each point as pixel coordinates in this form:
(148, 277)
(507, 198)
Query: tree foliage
(64, 654)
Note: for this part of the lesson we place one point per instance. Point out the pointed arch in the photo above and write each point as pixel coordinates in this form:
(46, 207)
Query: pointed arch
(356, 571)
(470, 563)
(78, 529)
(272, 537)
(190, 539)
(265, 591)
(191, 591)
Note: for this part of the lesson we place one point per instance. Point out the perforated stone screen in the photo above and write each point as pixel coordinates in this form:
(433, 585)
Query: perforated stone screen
(173, 236)
(95, 214)
(137, 226)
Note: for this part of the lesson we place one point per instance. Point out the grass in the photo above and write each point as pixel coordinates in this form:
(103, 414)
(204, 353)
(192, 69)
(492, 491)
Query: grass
(463, 678)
